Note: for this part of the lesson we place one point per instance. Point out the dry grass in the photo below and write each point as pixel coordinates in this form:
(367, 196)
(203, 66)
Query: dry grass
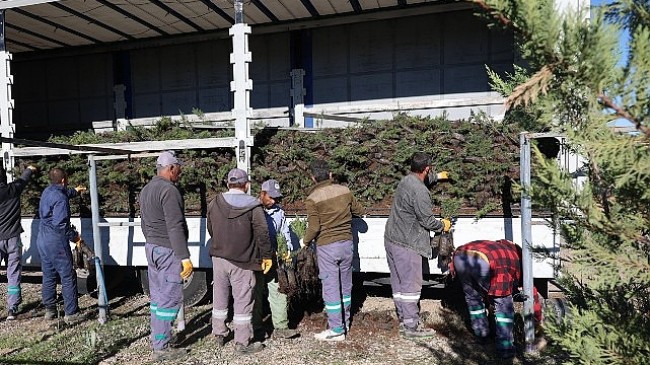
(373, 338)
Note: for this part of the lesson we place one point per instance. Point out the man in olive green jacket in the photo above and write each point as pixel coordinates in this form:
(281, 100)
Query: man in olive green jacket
(329, 222)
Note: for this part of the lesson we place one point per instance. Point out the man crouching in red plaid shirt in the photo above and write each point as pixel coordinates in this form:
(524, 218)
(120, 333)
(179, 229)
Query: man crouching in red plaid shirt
(492, 269)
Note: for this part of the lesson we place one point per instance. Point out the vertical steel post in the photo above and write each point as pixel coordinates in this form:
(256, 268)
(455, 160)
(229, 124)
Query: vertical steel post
(298, 96)
(7, 127)
(241, 87)
(97, 241)
(526, 240)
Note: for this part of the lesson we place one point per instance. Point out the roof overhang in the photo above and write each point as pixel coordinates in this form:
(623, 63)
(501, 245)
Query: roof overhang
(32, 25)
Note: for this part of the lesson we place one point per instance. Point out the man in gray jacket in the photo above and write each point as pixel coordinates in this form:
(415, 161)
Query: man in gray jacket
(407, 242)
(240, 247)
(11, 249)
(168, 258)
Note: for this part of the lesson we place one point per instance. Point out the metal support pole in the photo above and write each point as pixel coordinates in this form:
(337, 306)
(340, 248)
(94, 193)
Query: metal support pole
(298, 97)
(527, 240)
(241, 86)
(7, 127)
(102, 301)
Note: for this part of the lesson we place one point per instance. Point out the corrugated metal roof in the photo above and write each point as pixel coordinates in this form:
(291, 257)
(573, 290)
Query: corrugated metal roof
(71, 23)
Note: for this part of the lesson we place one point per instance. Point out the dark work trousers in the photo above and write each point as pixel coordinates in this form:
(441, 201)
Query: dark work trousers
(11, 252)
(56, 259)
(474, 275)
(266, 287)
(242, 281)
(165, 292)
(406, 282)
(335, 273)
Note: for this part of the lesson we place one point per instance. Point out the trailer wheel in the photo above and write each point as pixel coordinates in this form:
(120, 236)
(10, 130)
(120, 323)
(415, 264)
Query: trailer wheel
(559, 308)
(195, 289)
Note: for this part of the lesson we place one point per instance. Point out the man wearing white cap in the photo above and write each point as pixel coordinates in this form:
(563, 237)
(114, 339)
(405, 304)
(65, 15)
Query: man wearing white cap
(240, 246)
(278, 227)
(168, 258)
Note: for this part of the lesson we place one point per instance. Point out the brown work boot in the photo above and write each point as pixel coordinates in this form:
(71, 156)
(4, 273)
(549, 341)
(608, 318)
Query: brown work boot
(251, 348)
(168, 353)
(285, 333)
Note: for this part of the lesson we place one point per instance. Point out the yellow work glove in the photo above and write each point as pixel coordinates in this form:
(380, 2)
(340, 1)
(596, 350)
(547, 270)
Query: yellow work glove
(446, 224)
(32, 167)
(78, 242)
(266, 265)
(442, 175)
(187, 268)
(80, 189)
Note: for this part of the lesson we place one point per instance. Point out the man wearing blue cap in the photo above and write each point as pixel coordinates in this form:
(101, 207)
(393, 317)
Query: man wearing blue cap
(168, 258)
(278, 228)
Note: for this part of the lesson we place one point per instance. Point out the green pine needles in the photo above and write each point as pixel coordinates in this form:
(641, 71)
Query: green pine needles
(582, 85)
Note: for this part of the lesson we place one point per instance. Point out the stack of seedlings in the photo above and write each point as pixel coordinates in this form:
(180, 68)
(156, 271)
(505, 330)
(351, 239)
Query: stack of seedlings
(306, 265)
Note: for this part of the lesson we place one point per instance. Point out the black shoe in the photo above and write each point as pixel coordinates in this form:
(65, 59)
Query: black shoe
(50, 313)
(419, 332)
(251, 348)
(71, 319)
(168, 353)
(11, 314)
(481, 341)
(507, 355)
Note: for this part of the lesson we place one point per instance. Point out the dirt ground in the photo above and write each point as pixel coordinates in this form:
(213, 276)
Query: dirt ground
(373, 337)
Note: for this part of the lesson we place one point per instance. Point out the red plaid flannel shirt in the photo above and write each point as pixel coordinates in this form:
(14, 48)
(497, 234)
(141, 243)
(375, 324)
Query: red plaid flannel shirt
(505, 264)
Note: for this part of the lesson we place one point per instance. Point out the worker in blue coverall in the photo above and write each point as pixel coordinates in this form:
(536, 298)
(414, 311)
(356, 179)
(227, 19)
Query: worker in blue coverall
(168, 258)
(54, 236)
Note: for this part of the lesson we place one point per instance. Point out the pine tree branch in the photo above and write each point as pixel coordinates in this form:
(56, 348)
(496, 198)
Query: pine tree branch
(609, 103)
(496, 14)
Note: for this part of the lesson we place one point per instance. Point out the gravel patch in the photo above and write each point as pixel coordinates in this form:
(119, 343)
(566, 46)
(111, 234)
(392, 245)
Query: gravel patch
(373, 337)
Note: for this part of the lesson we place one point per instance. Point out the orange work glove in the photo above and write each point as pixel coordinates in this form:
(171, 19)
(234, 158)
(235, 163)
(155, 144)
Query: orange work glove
(446, 224)
(266, 265)
(187, 268)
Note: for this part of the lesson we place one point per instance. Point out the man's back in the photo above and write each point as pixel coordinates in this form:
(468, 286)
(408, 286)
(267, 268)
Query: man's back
(239, 231)
(334, 206)
(10, 206)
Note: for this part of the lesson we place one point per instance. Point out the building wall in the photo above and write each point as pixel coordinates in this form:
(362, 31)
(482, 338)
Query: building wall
(426, 56)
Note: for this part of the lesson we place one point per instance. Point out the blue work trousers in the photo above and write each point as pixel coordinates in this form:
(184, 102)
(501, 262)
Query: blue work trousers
(165, 292)
(335, 273)
(56, 259)
(474, 275)
(11, 251)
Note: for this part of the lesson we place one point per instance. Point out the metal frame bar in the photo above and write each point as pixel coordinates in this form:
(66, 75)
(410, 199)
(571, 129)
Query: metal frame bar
(65, 146)
(527, 239)
(21, 44)
(130, 16)
(56, 25)
(37, 35)
(218, 10)
(310, 7)
(10, 4)
(176, 14)
(269, 14)
(92, 20)
(356, 6)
